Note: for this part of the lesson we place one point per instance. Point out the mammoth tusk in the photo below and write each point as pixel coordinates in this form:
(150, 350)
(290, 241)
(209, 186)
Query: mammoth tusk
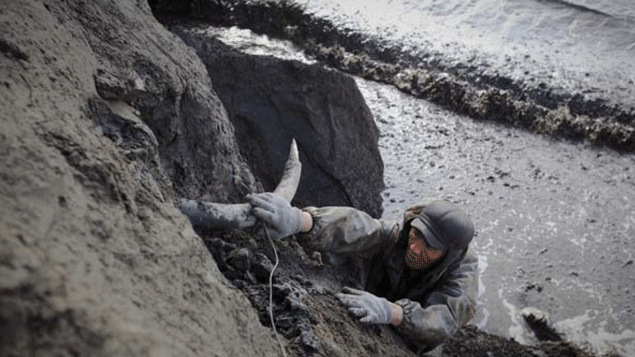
(217, 215)
(291, 175)
(238, 215)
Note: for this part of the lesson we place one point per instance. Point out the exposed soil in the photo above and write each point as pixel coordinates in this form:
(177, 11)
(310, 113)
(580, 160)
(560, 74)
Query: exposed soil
(308, 315)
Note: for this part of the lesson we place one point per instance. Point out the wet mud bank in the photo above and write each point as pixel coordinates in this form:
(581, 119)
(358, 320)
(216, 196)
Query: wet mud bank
(300, 298)
(310, 320)
(463, 87)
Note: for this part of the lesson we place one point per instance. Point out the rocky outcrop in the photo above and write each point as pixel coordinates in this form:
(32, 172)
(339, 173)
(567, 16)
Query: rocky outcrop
(270, 101)
(101, 108)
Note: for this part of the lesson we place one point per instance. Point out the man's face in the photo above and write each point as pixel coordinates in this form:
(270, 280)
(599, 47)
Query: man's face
(419, 254)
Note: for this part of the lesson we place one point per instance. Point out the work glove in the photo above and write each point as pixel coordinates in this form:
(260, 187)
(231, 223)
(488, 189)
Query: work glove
(366, 306)
(278, 215)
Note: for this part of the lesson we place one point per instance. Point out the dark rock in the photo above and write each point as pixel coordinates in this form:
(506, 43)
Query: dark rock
(261, 266)
(299, 310)
(539, 323)
(219, 249)
(240, 284)
(292, 317)
(307, 338)
(218, 245)
(270, 101)
(239, 260)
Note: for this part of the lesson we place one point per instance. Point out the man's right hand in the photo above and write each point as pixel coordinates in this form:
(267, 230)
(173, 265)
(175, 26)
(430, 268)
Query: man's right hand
(282, 219)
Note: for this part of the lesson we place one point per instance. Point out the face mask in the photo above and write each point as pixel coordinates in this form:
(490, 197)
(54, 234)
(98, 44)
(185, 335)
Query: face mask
(427, 256)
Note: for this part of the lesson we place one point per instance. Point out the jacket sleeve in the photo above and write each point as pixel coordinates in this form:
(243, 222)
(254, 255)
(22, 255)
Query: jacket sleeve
(450, 305)
(347, 231)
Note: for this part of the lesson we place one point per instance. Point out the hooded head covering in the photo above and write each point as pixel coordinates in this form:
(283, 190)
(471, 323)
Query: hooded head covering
(444, 225)
(453, 230)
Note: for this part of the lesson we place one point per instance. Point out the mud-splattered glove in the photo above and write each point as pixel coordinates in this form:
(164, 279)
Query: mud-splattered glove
(278, 214)
(366, 306)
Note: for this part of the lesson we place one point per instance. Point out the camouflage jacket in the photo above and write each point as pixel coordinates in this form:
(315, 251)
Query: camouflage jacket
(436, 302)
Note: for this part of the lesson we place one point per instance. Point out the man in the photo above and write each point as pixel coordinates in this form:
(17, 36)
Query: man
(419, 277)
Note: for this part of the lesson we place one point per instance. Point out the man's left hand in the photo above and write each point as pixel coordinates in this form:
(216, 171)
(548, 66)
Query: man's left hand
(366, 306)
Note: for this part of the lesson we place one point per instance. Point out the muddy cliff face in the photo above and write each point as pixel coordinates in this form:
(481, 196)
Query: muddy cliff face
(95, 258)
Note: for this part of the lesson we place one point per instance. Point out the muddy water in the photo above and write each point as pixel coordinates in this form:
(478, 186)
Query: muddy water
(555, 220)
(579, 46)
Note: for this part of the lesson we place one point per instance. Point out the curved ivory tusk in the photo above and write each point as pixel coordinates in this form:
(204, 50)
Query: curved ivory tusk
(238, 215)
(291, 175)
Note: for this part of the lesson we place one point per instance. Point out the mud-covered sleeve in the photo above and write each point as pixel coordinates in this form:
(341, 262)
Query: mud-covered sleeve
(451, 305)
(346, 230)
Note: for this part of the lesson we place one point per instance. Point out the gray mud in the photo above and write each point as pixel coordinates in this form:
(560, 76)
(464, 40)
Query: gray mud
(555, 219)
